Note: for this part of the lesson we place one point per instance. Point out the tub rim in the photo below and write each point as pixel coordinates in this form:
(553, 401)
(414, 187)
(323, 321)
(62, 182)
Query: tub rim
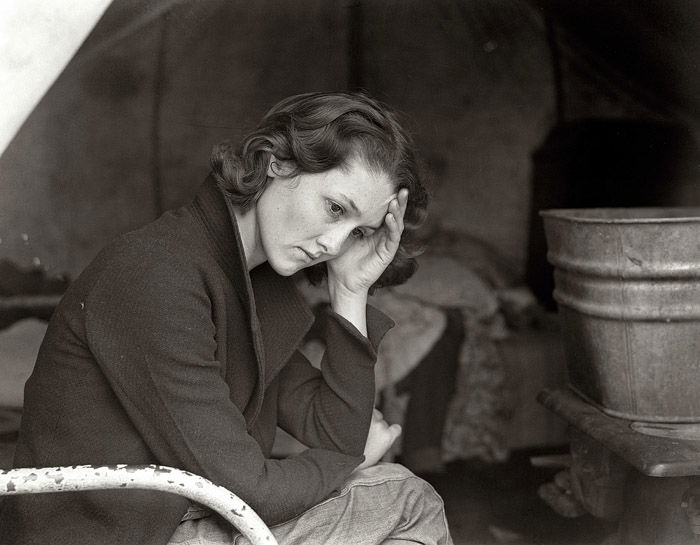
(684, 214)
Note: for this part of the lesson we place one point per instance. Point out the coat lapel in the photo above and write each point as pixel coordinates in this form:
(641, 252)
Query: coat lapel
(278, 317)
(221, 235)
(284, 317)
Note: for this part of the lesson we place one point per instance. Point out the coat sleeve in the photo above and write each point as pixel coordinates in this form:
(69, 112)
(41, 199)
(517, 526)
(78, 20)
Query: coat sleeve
(149, 326)
(332, 408)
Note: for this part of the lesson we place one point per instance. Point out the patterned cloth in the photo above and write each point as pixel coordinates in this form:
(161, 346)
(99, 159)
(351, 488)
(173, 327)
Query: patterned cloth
(476, 416)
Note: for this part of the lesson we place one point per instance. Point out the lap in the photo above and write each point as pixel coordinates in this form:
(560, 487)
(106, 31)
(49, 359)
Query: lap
(381, 504)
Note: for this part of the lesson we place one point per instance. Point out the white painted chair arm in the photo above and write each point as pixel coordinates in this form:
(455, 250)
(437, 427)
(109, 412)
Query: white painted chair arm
(30, 480)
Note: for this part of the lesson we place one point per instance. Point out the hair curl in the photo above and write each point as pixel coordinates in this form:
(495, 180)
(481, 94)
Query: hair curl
(317, 132)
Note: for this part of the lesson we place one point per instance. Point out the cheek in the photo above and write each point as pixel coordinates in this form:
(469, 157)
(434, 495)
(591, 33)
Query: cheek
(284, 223)
(303, 223)
(346, 244)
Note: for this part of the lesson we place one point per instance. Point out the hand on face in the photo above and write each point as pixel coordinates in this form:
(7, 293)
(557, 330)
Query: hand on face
(366, 258)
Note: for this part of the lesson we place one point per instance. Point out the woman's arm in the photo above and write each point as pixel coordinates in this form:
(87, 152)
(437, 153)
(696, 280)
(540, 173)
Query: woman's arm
(326, 410)
(349, 305)
(148, 322)
(332, 408)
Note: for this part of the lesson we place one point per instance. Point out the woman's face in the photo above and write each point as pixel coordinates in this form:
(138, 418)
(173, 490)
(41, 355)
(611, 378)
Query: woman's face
(312, 218)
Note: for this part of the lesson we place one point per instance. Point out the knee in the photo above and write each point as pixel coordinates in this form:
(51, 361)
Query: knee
(412, 504)
(422, 513)
(408, 489)
(423, 498)
(417, 495)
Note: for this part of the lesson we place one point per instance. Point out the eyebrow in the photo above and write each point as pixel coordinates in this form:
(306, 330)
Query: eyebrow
(350, 202)
(357, 211)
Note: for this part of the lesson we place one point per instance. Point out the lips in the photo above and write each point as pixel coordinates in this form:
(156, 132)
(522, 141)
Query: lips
(312, 257)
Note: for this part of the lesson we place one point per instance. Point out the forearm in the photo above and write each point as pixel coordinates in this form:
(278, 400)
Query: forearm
(330, 408)
(333, 409)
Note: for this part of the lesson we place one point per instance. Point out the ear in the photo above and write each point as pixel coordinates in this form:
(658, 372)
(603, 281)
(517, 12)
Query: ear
(278, 168)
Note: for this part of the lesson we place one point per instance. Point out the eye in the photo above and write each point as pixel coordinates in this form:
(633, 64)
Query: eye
(357, 233)
(335, 209)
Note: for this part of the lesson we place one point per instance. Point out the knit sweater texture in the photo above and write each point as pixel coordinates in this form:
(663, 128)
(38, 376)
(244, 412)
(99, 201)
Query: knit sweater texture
(167, 350)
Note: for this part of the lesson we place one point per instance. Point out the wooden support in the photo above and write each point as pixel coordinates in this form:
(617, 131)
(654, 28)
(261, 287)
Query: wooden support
(651, 455)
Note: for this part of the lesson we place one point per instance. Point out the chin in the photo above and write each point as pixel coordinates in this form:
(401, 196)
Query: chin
(283, 267)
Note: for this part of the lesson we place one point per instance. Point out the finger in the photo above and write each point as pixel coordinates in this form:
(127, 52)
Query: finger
(394, 232)
(403, 200)
(377, 415)
(395, 210)
(398, 210)
(391, 238)
(395, 431)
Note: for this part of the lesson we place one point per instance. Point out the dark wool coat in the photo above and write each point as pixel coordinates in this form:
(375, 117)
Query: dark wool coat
(165, 350)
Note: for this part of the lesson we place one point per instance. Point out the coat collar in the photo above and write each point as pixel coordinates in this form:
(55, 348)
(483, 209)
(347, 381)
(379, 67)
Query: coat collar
(278, 316)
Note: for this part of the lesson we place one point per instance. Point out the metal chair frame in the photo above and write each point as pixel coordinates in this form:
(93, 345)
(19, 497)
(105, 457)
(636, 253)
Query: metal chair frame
(32, 480)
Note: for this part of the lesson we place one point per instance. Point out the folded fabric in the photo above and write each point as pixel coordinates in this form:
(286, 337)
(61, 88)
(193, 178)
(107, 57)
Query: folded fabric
(444, 282)
(417, 328)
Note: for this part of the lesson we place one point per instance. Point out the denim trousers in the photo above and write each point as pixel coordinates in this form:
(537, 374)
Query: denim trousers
(384, 504)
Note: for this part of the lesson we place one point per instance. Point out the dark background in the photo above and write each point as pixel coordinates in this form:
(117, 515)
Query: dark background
(126, 130)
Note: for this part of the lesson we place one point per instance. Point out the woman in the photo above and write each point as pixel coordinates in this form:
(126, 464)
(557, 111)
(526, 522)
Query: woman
(178, 346)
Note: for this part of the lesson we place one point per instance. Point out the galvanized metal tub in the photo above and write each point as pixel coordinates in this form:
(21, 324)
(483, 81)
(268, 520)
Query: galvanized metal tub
(627, 284)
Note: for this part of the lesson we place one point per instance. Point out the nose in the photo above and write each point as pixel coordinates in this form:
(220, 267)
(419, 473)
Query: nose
(332, 241)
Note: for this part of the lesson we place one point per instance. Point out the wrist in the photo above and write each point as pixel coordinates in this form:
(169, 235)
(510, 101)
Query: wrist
(349, 304)
(339, 290)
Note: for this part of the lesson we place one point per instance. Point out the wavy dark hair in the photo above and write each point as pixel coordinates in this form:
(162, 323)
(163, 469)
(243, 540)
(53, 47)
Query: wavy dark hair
(317, 132)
